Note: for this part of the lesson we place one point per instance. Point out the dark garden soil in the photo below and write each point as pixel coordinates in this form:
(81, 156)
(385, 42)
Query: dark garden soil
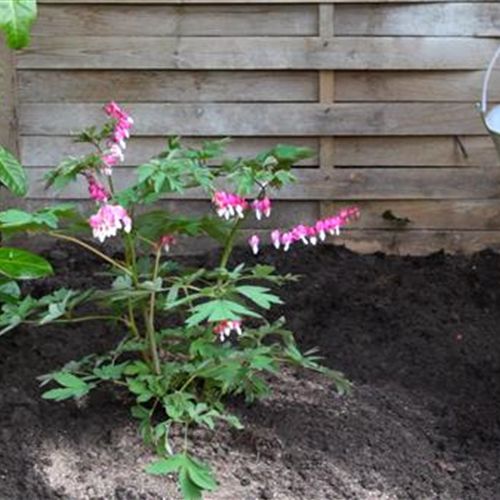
(419, 337)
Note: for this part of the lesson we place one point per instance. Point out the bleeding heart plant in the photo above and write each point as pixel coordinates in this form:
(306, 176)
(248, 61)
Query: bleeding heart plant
(193, 337)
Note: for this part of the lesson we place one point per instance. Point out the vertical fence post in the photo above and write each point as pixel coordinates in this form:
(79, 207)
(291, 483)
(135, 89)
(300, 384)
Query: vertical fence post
(326, 95)
(9, 129)
(326, 84)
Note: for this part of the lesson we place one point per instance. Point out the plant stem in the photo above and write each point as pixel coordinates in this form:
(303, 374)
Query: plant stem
(131, 319)
(131, 259)
(186, 437)
(111, 186)
(150, 318)
(229, 244)
(191, 379)
(92, 249)
(82, 319)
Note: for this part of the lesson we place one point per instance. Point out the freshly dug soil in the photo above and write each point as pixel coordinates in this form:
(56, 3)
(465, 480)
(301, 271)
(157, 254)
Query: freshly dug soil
(419, 337)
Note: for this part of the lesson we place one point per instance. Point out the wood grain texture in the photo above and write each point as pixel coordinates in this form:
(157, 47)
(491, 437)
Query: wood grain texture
(326, 85)
(478, 215)
(389, 242)
(8, 99)
(250, 86)
(168, 20)
(233, 53)
(406, 86)
(168, 86)
(284, 212)
(418, 242)
(9, 126)
(196, 2)
(428, 152)
(338, 184)
(48, 151)
(436, 20)
(425, 152)
(264, 120)
(384, 90)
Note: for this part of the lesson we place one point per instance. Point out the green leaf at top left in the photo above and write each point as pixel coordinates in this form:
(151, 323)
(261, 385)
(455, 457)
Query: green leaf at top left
(12, 174)
(23, 265)
(16, 18)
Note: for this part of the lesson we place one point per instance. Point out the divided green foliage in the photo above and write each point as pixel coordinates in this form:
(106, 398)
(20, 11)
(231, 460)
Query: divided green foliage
(191, 336)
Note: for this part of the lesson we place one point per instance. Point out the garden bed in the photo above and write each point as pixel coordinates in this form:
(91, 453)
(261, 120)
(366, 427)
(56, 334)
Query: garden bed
(419, 337)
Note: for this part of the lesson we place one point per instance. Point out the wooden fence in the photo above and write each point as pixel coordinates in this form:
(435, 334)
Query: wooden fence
(384, 91)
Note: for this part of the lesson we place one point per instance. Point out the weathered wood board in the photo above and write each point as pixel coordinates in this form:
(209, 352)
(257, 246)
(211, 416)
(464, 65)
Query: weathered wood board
(253, 53)
(243, 119)
(339, 184)
(384, 93)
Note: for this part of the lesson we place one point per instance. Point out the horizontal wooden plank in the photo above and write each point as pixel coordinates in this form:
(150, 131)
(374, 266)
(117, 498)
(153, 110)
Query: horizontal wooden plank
(264, 119)
(284, 213)
(367, 241)
(415, 152)
(337, 184)
(168, 86)
(482, 215)
(433, 152)
(401, 86)
(251, 86)
(437, 19)
(194, 2)
(49, 151)
(419, 242)
(349, 53)
(167, 20)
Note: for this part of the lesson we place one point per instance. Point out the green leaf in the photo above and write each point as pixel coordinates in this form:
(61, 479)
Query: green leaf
(260, 295)
(69, 380)
(140, 413)
(13, 314)
(173, 294)
(166, 465)
(9, 291)
(218, 310)
(227, 309)
(16, 18)
(62, 394)
(55, 311)
(110, 372)
(137, 368)
(216, 228)
(69, 169)
(73, 387)
(200, 474)
(234, 421)
(23, 265)
(144, 172)
(178, 405)
(189, 489)
(48, 218)
(200, 313)
(13, 218)
(12, 174)
(288, 154)
(263, 271)
(155, 224)
(137, 386)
